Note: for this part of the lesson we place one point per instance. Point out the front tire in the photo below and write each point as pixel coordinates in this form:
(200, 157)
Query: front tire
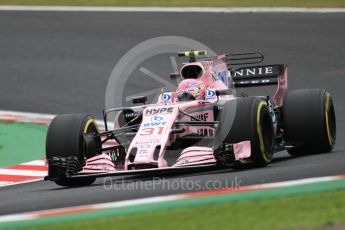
(70, 141)
(309, 121)
(252, 121)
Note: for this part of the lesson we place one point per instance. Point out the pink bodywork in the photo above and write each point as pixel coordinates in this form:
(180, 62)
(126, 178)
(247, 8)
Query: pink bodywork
(155, 129)
(99, 164)
(204, 155)
(158, 121)
(149, 137)
(281, 88)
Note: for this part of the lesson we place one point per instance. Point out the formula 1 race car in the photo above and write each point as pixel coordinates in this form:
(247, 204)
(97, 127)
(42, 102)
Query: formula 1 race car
(202, 124)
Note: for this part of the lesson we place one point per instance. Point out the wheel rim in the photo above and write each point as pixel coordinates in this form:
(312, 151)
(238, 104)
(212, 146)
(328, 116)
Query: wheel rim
(265, 132)
(330, 120)
(90, 127)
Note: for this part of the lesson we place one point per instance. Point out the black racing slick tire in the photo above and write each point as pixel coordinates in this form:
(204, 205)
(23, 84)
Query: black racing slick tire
(70, 141)
(309, 121)
(251, 121)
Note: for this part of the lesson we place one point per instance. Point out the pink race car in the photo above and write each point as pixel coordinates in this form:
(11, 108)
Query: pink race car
(200, 125)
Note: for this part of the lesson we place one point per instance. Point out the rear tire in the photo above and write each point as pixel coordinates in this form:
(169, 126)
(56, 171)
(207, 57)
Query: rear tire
(67, 150)
(309, 121)
(252, 121)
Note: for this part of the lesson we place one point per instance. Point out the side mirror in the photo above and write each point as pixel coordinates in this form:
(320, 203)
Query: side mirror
(174, 76)
(139, 100)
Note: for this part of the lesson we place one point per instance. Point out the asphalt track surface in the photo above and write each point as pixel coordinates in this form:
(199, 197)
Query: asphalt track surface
(60, 63)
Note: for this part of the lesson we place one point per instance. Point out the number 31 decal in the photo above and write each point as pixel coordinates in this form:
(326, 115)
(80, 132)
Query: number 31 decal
(151, 131)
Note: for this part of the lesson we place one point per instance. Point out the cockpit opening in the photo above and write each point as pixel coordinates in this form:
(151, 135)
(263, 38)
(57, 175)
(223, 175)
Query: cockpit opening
(191, 71)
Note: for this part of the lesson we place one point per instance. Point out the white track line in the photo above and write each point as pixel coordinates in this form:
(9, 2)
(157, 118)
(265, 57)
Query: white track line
(19, 172)
(150, 200)
(297, 182)
(36, 163)
(27, 114)
(116, 204)
(174, 9)
(14, 218)
(6, 184)
(38, 117)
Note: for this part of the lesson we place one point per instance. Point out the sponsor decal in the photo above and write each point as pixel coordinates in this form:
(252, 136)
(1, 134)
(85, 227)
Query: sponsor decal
(151, 131)
(145, 146)
(205, 132)
(154, 124)
(157, 118)
(155, 111)
(167, 97)
(253, 82)
(253, 71)
(210, 94)
(200, 117)
(214, 74)
(214, 77)
(131, 115)
(142, 152)
(148, 141)
(223, 76)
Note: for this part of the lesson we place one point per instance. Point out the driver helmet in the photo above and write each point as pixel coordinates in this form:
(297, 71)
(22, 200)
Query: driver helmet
(191, 89)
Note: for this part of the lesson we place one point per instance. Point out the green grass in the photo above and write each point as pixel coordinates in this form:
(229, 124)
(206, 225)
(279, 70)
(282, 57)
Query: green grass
(184, 3)
(280, 213)
(21, 142)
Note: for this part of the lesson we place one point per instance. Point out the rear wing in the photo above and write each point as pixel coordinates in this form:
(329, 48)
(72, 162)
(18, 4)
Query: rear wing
(262, 75)
(256, 75)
